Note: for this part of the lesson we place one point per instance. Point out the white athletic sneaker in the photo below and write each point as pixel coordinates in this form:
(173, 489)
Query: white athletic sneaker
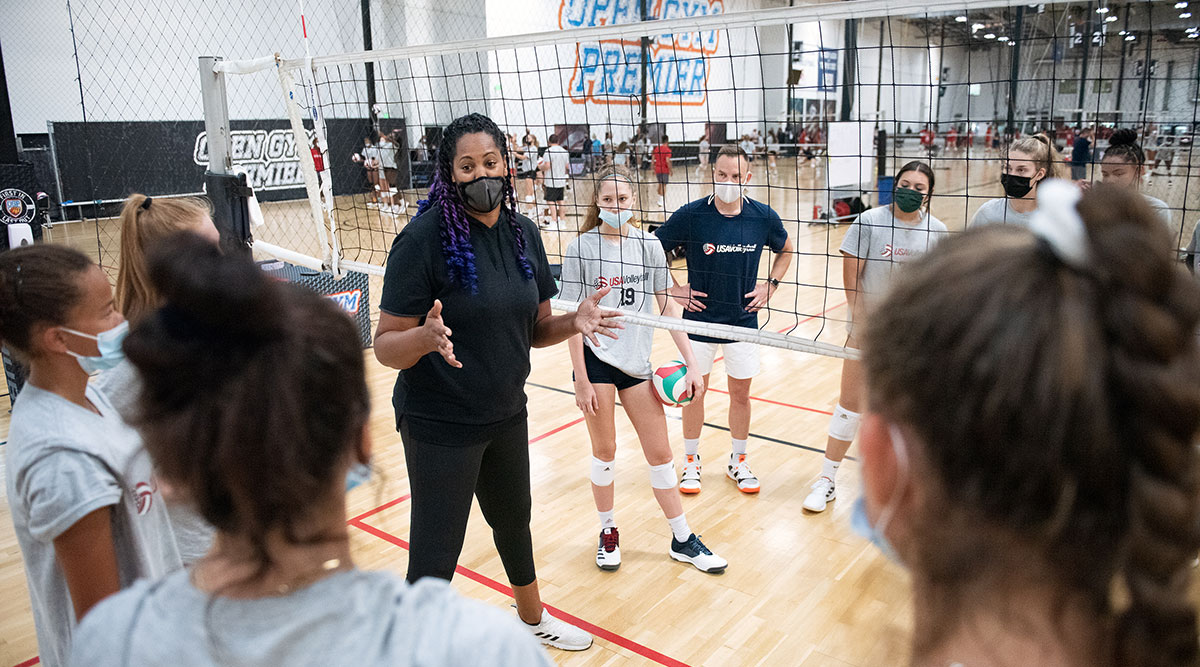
(559, 634)
(372, 204)
(739, 471)
(528, 198)
(608, 554)
(661, 202)
(823, 491)
(693, 551)
(689, 482)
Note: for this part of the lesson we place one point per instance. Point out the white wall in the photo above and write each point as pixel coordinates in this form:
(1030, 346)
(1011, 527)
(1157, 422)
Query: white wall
(144, 67)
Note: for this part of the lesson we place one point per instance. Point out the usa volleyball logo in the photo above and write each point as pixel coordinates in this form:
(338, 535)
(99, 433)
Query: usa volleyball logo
(709, 248)
(887, 250)
(143, 494)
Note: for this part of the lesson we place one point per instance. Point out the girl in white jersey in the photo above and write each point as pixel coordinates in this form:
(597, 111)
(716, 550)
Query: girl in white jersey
(878, 242)
(1030, 161)
(611, 251)
(86, 507)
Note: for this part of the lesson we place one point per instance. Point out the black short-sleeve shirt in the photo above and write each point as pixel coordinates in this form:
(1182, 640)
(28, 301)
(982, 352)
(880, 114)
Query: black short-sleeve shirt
(492, 330)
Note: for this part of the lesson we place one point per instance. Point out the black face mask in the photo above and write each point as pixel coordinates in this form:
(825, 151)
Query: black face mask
(1015, 186)
(483, 194)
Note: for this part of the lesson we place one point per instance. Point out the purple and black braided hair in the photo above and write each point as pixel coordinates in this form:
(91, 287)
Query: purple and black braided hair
(455, 229)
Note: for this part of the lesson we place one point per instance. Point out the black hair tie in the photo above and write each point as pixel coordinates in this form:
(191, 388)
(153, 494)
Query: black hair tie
(146, 203)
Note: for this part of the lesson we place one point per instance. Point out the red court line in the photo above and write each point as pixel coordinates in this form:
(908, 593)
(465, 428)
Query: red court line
(547, 434)
(786, 405)
(32, 661)
(382, 507)
(595, 630)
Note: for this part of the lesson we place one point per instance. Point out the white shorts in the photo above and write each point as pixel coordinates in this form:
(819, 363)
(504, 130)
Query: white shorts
(741, 358)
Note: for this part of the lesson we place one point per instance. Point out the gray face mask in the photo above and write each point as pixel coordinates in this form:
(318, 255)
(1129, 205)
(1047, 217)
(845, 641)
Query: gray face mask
(483, 194)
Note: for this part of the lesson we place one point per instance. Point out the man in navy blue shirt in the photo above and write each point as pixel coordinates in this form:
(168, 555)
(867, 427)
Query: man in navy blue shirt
(1081, 154)
(723, 236)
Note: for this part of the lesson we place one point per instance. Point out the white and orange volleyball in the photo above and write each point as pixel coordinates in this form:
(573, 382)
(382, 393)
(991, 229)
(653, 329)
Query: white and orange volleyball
(669, 384)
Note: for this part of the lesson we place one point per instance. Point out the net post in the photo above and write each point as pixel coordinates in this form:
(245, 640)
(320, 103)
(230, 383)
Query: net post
(216, 115)
(227, 191)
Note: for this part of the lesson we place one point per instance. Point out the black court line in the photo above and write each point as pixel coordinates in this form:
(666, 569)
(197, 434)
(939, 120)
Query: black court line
(708, 424)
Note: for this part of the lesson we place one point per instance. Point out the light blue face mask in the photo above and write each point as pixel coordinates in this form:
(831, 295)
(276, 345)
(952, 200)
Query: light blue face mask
(359, 474)
(860, 523)
(615, 220)
(109, 345)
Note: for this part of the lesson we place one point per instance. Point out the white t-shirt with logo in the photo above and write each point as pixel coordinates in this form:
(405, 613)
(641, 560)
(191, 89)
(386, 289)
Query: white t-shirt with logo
(635, 268)
(560, 162)
(121, 386)
(64, 462)
(883, 242)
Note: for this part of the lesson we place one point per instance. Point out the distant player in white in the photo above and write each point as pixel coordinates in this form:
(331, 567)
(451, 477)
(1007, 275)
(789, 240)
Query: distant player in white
(612, 251)
(555, 166)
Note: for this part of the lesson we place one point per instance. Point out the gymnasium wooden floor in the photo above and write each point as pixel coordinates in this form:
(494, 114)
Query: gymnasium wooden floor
(800, 590)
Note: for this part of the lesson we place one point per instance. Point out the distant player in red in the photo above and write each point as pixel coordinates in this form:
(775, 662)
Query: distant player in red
(927, 137)
(318, 160)
(987, 137)
(662, 168)
(952, 138)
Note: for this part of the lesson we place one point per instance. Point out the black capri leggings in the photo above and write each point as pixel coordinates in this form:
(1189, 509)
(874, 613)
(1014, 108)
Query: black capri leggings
(442, 479)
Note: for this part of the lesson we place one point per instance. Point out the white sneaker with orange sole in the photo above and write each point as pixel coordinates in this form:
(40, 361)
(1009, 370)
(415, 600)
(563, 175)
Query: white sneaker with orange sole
(739, 471)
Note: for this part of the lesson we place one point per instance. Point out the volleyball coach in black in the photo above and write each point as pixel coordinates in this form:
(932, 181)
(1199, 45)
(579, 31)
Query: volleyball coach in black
(466, 295)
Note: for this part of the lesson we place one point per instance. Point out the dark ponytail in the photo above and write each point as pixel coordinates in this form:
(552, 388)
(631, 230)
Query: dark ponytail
(1057, 417)
(39, 284)
(253, 391)
(455, 228)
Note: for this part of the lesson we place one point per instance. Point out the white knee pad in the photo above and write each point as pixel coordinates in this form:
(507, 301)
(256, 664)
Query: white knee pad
(663, 476)
(603, 472)
(844, 424)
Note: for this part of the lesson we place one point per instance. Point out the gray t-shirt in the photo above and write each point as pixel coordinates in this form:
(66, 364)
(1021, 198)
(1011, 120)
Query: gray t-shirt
(635, 268)
(193, 535)
(349, 618)
(63, 463)
(883, 242)
(1160, 207)
(997, 211)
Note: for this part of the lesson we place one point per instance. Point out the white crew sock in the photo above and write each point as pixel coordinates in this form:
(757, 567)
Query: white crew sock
(691, 446)
(829, 469)
(607, 520)
(679, 526)
(739, 446)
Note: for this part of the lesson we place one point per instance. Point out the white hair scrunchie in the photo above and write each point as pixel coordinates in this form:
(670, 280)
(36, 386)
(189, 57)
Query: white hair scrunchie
(1056, 221)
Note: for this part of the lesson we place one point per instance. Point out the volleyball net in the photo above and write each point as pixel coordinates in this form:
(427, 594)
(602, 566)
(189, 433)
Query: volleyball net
(828, 100)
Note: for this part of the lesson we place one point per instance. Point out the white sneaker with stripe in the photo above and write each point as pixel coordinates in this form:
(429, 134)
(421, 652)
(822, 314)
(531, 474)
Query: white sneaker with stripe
(559, 634)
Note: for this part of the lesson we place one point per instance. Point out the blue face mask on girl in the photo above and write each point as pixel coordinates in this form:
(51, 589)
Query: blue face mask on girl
(109, 345)
(615, 220)
(861, 524)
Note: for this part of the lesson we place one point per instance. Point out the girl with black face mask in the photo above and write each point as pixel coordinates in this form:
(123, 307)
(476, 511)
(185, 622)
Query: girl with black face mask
(1030, 161)
(466, 294)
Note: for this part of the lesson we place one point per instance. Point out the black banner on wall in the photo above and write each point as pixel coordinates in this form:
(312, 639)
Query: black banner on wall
(103, 161)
